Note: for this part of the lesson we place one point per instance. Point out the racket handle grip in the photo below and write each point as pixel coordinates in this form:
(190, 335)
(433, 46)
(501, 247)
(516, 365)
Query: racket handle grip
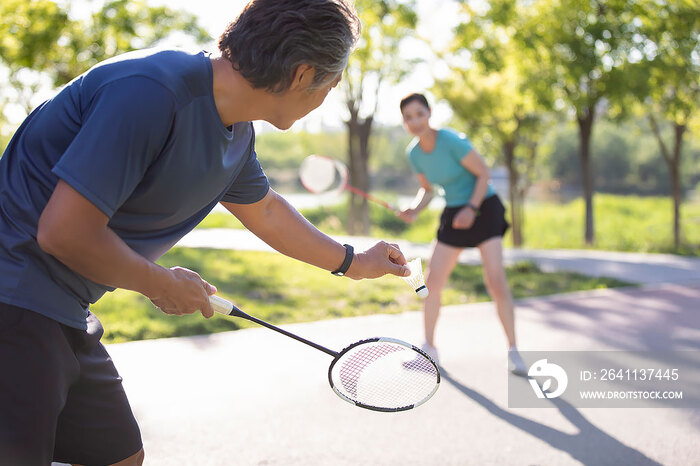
(220, 305)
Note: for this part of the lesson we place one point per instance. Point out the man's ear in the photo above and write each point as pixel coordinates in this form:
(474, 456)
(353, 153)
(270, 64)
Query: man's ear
(303, 77)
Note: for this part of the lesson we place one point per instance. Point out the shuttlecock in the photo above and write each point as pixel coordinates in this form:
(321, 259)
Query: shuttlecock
(416, 280)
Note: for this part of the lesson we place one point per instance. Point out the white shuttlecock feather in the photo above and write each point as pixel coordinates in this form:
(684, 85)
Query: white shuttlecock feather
(416, 280)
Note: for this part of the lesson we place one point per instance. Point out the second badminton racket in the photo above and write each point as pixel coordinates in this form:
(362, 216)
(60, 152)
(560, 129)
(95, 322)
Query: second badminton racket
(318, 174)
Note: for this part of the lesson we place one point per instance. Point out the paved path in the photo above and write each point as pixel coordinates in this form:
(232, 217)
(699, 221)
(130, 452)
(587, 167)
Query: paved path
(253, 397)
(630, 267)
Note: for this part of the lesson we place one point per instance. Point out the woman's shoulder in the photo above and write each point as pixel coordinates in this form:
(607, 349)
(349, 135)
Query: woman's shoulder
(452, 134)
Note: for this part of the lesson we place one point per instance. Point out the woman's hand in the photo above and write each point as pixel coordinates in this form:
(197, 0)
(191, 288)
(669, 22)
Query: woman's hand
(464, 219)
(408, 215)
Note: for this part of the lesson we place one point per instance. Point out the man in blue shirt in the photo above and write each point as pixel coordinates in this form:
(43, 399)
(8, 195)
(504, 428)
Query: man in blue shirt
(105, 177)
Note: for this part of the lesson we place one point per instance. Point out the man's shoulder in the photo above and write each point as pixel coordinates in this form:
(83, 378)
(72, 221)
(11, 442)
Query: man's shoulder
(183, 74)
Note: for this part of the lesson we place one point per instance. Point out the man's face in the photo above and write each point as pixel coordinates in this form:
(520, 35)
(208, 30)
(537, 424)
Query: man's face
(416, 117)
(297, 103)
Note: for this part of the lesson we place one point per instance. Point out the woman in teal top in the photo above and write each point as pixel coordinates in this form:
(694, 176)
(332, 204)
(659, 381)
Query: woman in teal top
(473, 217)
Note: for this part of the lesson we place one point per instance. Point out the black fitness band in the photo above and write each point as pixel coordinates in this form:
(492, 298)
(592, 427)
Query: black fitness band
(349, 255)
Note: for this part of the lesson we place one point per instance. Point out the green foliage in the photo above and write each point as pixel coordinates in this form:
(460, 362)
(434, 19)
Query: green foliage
(384, 25)
(28, 29)
(119, 26)
(281, 290)
(41, 40)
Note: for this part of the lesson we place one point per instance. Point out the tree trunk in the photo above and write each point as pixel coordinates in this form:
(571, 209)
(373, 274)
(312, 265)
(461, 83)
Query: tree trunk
(524, 183)
(585, 124)
(673, 161)
(358, 158)
(676, 182)
(513, 192)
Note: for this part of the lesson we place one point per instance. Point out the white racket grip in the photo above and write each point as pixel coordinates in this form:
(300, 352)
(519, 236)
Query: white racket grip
(220, 305)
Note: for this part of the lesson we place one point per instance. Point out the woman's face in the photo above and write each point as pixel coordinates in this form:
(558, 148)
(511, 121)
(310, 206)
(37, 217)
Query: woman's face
(416, 118)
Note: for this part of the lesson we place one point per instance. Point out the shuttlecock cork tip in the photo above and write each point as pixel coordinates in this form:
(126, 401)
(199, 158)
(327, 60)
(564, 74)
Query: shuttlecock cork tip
(416, 279)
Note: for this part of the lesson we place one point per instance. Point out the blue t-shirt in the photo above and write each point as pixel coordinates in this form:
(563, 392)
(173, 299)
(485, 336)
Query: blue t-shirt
(443, 166)
(140, 137)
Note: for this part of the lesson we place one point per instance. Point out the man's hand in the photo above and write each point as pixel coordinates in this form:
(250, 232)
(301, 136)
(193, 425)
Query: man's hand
(181, 291)
(464, 219)
(377, 261)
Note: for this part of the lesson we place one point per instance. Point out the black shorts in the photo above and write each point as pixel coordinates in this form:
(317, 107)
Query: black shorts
(491, 222)
(61, 398)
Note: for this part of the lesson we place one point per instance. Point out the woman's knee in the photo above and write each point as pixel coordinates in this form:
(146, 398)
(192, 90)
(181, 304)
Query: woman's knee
(497, 287)
(435, 280)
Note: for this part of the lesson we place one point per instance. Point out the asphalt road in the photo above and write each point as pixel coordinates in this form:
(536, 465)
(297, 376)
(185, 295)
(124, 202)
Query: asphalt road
(253, 397)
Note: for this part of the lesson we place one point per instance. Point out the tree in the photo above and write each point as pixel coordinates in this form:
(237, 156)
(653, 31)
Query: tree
(577, 46)
(669, 42)
(40, 41)
(375, 62)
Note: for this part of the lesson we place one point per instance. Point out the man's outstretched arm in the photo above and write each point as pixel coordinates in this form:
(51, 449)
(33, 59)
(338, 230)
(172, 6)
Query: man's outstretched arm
(280, 225)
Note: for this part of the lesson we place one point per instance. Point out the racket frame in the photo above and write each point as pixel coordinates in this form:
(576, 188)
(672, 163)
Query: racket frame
(380, 340)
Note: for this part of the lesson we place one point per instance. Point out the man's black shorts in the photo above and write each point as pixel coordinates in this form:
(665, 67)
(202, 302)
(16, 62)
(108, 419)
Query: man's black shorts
(61, 398)
(490, 223)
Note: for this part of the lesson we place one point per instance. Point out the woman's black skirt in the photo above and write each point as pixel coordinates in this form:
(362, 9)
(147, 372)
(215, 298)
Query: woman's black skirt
(490, 222)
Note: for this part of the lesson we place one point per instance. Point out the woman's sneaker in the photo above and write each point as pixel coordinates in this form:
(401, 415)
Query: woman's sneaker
(431, 351)
(515, 363)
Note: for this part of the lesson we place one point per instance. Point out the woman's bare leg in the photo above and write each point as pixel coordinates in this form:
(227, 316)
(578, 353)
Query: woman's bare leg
(440, 267)
(497, 284)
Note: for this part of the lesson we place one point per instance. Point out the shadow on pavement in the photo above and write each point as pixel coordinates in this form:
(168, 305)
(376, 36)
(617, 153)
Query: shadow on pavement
(590, 446)
(659, 319)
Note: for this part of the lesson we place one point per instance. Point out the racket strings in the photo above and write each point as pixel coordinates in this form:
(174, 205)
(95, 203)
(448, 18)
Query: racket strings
(386, 375)
(352, 367)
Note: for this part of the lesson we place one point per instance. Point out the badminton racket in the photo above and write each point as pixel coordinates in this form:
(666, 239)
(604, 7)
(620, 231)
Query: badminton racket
(381, 374)
(318, 174)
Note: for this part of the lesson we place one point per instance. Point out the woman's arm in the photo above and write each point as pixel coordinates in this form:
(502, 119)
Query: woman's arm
(423, 197)
(476, 165)
(276, 222)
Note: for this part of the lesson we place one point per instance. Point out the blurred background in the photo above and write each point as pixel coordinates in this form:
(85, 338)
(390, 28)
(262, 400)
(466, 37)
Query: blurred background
(586, 110)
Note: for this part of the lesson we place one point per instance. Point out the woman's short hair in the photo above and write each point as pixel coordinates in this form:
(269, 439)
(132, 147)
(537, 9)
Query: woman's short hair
(415, 97)
(271, 38)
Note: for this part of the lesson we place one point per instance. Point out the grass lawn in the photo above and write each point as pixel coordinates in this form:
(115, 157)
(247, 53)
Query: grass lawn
(282, 290)
(622, 223)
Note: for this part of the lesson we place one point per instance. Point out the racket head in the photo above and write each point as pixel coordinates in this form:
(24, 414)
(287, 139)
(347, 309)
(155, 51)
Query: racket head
(318, 174)
(384, 374)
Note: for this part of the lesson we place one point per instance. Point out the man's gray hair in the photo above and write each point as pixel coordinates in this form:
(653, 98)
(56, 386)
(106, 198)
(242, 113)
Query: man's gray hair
(271, 38)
